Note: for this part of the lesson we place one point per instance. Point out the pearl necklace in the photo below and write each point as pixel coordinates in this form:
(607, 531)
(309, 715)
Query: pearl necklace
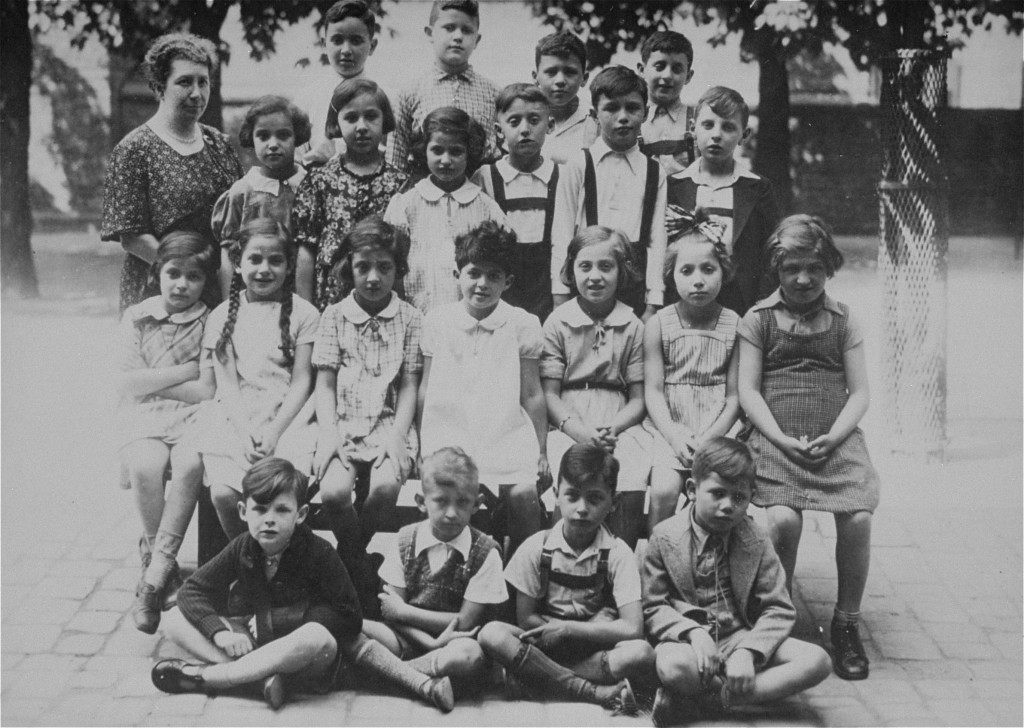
(181, 140)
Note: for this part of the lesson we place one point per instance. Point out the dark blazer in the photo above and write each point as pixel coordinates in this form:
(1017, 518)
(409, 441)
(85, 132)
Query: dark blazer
(758, 584)
(754, 217)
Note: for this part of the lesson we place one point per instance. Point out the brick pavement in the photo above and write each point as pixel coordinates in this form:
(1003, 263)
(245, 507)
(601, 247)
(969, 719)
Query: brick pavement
(942, 614)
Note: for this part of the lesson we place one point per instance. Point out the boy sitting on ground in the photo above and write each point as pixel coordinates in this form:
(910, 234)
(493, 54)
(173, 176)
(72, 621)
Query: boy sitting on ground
(715, 599)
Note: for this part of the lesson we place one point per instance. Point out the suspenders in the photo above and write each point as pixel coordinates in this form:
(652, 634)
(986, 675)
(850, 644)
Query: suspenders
(650, 196)
(575, 581)
(525, 204)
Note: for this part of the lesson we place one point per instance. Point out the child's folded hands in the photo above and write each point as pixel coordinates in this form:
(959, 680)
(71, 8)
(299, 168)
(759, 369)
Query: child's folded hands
(549, 634)
(739, 672)
(708, 656)
(234, 644)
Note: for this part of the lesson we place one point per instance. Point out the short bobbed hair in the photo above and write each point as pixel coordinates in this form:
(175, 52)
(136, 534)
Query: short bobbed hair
(456, 122)
(370, 233)
(804, 234)
(171, 47)
(350, 89)
(586, 463)
(729, 459)
(629, 273)
(183, 245)
(270, 477)
(271, 104)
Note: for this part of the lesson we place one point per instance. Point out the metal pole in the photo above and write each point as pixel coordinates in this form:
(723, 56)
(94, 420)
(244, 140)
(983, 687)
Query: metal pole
(912, 257)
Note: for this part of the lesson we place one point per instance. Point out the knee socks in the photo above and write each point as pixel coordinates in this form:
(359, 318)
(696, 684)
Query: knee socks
(841, 618)
(538, 669)
(377, 659)
(165, 551)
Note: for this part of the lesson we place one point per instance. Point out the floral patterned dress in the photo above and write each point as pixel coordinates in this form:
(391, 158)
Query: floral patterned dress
(328, 203)
(151, 188)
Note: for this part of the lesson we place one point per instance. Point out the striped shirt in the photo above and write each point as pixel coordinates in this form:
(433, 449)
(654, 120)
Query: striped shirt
(467, 90)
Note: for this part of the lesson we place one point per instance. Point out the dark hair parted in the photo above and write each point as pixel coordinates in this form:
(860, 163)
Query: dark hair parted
(358, 9)
(350, 89)
(621, 249)
(271, 104)
(585, 463)
(171, 47)
(270, 477)
(183, 245)
(729, 459)
(724, 102)
(449, 466)
(526, 92)
(370, 233)
(667, 41)
(488, 243)
(457, 123)
(562, 44)
(616, 81)
(259, 227)
(803, 234)
(469, 7)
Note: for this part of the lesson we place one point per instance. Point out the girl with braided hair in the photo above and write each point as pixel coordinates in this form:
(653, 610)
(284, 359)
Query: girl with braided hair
(690, 357)
(259, 343)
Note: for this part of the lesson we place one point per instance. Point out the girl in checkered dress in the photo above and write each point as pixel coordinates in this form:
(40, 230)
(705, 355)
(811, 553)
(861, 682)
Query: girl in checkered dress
(160, 388)
(803, 384)
(368, 361)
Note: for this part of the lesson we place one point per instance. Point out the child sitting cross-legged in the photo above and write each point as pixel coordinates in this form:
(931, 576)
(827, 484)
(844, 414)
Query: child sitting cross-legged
(277, 601)
(580, 633)
(441, 575)
(715, 598)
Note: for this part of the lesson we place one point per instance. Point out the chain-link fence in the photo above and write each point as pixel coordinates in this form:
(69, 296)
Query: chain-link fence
(914, 242)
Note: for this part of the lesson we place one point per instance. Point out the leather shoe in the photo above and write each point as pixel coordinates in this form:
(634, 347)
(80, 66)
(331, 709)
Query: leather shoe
(146, 609)
(848, 658)
(441, 694)
(178, 676)
(273, 691)
(624, 700)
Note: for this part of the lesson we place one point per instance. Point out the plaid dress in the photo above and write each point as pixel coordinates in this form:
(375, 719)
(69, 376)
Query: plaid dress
(804, 383)
(150, 338)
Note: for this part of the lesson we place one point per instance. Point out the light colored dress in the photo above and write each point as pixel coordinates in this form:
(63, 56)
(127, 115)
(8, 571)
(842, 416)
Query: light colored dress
(696, 368)
(803, 381)
(433, 219)
(370, 355)
(151, 338)
(579, 351)
(473, 394)
(263, 382)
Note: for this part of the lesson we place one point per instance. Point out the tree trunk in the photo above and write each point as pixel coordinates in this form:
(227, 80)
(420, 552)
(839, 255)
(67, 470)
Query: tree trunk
(772, 157)
(18, 268)
(206, 21)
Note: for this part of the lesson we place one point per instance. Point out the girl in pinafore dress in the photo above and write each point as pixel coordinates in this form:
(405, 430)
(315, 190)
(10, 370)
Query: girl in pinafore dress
(259, 347)
(592, 369)
(690, 362)
(803, 384)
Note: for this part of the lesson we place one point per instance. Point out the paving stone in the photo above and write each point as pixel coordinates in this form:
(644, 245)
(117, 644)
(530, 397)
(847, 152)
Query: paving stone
(79, 644)
(33, 684)
(1008, 644)
(130, 641)
(907, 714)
(8, 661)
(127, 711)
(38, 639)
(936, 669)
(170, 719)
(94, 622)
(56, 663)
(137, 684)
(877, 691)
(50, 550)
(21, 711)
(1007, 712)
(945, 689)
(962, 712)
(110, 600)
(23, 571)
(970, 650)
(833, 686)
(122, 579)
(77, 707)
(46, 610)
(908, 646)
(93, 568)
(941, 612)
(997, 688)
(996, 670)
(188, 704)
(93, 679)
(120, 664)
(66, 587)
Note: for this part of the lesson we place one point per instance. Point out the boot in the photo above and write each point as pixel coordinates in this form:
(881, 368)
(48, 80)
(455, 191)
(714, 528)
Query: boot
(848, 657)
(146, 609)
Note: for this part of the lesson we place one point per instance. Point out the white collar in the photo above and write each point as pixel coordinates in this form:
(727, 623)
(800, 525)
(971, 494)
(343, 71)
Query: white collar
(261, 183)
(351, 310)
(633, 156)
(509, 173)
(673, 111)
(697, 174)
(574, 315)
(581, 114)
(432, 193)
(498, 318)
(556, 540)
(775, 300)
(426, 539)
(153, 308)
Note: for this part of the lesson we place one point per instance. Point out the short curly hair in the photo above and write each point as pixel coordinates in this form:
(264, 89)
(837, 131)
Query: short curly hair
(454, 121)
(171, 47)
(803, 234)
(370, 233)
(271, 104)
(487, 243)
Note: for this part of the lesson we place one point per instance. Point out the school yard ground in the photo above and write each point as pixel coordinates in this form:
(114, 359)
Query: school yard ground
(942, 625)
